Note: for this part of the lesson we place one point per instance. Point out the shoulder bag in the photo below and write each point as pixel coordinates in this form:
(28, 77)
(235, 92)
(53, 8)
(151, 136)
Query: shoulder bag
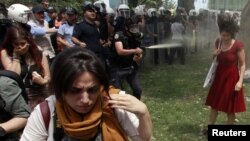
(211, 73)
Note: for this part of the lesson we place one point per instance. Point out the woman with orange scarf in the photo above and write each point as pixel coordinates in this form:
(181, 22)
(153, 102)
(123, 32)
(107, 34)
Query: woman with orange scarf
(85, 106)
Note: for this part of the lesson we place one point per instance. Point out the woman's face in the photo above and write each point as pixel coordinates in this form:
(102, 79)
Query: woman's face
(21, 46)
(225, 36)
(83, 94)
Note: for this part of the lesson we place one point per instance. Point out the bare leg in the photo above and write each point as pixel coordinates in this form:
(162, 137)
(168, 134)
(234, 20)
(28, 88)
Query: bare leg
(213, 116)
(230, 118)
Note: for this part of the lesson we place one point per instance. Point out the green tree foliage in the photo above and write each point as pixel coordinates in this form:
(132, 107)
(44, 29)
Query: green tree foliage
(58, 4)
(187, 4)
(171, 4)
(133, 3)
(151, 3)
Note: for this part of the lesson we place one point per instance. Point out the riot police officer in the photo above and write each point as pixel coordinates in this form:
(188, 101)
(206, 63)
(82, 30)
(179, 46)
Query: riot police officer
(123, 14)
(126, 54)
(101, 20)
(152, 30)
(165, 33)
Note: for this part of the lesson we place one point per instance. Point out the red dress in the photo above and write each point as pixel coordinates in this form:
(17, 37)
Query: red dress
(222, 96)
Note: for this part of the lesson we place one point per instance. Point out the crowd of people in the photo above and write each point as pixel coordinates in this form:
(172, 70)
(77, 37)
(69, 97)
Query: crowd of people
(71, 62)
(73, 71)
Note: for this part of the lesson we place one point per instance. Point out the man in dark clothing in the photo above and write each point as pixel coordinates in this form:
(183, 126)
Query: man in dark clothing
(126, 53)
(152, 30)
(86, 33)
(165, 30)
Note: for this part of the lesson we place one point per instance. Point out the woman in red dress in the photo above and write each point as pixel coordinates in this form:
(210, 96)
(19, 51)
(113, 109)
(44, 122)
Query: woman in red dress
(226, 94)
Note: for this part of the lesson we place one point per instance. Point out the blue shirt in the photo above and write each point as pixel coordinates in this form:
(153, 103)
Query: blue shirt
(66, 31)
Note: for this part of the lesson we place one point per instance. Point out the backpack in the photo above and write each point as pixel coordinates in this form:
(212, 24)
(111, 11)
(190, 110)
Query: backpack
(18, 79)
(59, 133)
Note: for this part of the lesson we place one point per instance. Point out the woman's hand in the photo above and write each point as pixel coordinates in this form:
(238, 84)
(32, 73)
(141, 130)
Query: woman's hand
(216, 52)
(238, 86)
(37, 78)
(128, 103)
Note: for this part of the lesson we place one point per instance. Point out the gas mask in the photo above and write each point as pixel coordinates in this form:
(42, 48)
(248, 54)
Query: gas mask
(135, 32)
(124, 13)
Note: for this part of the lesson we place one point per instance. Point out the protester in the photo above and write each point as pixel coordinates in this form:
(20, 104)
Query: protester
(52, 13)
(61, 17)
(20, 54)
(226, 94)
(14, 110)
(65, 31)
(86, 106)
(42, 39)
(45, 5)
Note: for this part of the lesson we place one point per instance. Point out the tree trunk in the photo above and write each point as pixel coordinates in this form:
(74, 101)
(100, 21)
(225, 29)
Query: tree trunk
(245, 32)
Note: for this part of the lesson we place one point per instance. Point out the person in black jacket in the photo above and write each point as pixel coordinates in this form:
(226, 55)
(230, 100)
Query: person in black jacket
(126, 53)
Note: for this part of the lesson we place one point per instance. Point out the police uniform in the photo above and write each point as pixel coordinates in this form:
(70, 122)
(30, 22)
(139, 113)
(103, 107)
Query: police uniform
(119, 23)
(123, 67)
(153, 21)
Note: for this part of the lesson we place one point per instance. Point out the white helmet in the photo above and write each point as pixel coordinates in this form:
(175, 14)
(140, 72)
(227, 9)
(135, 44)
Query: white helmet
(124, 10)
(19, 13)
(192, 12)
(101, 5)
(140, 10)
(162, 10)
(151, 12)
(110, 10)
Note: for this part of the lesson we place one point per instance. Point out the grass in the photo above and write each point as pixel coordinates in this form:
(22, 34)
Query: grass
(175, 98)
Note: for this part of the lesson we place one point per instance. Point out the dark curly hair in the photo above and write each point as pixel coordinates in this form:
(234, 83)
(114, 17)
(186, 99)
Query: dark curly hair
(227, 24)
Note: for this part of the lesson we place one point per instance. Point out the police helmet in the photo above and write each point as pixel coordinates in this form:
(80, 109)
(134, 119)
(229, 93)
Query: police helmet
(124, 11)
(139, 10)
(87, 5)
(19, 13)
(110, 10)
(192, 12)
(101, 6)
(151, 12)
(162, 11)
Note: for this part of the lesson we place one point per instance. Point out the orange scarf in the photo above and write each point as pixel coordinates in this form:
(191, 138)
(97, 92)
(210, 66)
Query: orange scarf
(86, 127)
